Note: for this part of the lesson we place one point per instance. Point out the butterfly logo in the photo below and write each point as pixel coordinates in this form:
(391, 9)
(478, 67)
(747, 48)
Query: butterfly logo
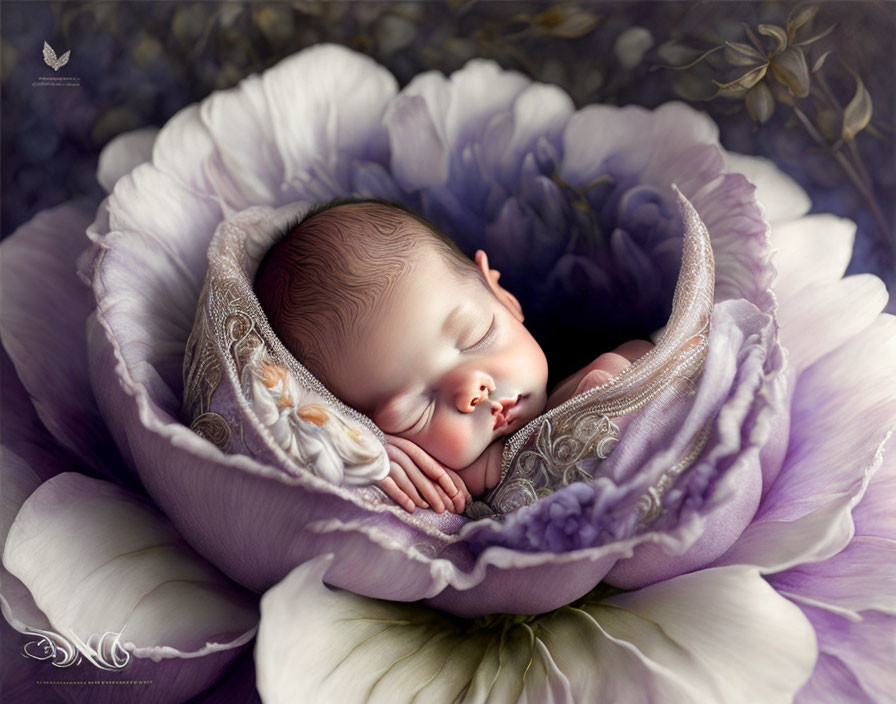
(52, 61)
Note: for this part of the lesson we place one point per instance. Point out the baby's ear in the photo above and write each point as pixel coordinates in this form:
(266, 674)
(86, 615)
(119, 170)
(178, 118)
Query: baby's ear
(491, 276)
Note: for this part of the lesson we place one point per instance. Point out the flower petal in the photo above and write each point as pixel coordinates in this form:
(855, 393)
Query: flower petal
(45, 307)
(861, 577)
(418, 158)
(99, 560)
(123, 154)
(671, 641)
(24, 434)
(239, 123)
(782, 199)
(842, 416)
(822, 316)
(684, 622)
(856, 657)
(326, 103)
(19, 481)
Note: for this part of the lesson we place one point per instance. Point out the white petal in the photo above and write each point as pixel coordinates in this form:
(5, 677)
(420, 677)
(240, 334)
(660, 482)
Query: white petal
(239, 123)
(479, 90)
(815, 248)
(822, 316)
(123, 154)
(781, 197)
(19, 481)
(324, 102)
(97, 559)
(718, 629)
(720, 635)
(320, 645)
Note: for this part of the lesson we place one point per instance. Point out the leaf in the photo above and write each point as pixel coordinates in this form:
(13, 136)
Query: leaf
(739, 86)
(813, 39)
(796, 20)
(819, 62)
(760, 103)
(776, 33)
(857, 114)
(63, 60)
(739, 54)
(828, 122)
(790, 68)
(569, 23)
(692, 63)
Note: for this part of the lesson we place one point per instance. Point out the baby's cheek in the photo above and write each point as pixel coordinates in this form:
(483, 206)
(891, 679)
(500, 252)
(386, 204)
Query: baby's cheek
(452, 443)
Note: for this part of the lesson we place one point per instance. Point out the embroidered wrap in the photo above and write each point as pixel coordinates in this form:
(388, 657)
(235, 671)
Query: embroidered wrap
(569, 442)
(245, 392)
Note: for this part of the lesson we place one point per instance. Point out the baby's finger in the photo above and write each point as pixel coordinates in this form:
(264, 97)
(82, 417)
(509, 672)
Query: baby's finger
(431, 467)
(449, 503)
(462, 497)
(426, 487)
(400, 477)
(397, 495)
(416, 477)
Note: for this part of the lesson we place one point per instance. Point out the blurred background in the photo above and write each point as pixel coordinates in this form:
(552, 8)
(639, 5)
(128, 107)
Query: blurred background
(809, 85)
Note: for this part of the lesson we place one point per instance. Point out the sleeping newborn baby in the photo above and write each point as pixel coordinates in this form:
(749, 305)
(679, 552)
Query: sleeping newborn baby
(399, 324)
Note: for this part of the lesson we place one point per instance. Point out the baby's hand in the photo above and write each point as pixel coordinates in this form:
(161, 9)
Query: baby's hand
(416, 478)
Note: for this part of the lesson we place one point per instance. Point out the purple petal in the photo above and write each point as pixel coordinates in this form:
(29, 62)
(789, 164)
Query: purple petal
(832, 682)
(540, 112)
(45, 307)
(856, 657)
(23, 433)
(418, 157)
(861, 577)
(874, 514)
(841, 417)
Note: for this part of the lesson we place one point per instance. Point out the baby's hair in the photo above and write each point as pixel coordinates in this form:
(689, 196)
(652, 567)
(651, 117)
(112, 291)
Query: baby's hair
(327, 267)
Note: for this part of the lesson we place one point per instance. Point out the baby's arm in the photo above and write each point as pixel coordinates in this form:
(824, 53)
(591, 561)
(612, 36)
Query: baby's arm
(600, 371)
(417, 479)
(485, 471)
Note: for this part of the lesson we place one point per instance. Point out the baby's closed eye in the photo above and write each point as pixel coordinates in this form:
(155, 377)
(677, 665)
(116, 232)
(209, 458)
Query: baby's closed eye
(407, 414)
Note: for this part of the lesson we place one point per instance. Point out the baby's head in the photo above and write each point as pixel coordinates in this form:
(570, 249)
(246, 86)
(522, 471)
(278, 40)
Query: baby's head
(398, 323)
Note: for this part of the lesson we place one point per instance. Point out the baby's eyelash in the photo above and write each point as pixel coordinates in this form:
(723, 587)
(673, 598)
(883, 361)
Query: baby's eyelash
(418, 424)
(484, 341)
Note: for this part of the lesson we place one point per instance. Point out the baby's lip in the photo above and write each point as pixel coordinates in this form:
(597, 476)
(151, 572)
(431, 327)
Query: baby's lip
(503, 411)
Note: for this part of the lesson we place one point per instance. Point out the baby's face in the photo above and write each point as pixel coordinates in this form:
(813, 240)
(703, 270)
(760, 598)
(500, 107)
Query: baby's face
(444, 361)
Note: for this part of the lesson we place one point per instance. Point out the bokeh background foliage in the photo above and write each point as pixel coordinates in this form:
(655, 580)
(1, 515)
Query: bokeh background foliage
(137, 63)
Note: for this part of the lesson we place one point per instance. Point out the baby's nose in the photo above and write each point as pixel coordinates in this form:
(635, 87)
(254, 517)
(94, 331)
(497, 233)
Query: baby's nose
(473, 392)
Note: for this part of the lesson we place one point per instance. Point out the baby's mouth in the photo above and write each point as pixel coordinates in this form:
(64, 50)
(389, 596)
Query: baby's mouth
(504, 412)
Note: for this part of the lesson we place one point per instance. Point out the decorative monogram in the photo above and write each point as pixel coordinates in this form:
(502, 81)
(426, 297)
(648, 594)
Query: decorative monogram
(102, 651)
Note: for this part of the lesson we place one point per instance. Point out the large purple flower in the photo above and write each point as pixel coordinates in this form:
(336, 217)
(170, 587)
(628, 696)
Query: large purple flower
(774, 545)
